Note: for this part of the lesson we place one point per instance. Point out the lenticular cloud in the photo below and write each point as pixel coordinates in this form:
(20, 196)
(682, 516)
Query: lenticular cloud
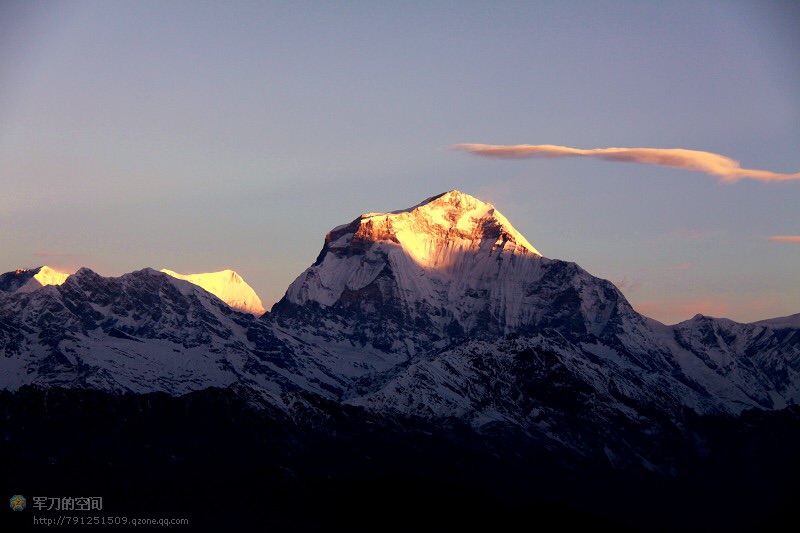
(695, 160)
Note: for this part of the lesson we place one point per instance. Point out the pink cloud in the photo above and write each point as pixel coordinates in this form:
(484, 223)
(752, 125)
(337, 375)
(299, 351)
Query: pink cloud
(785, 238)
(725, 168)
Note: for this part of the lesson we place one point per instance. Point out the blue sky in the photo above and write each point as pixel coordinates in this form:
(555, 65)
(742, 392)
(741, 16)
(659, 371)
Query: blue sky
(199, 136)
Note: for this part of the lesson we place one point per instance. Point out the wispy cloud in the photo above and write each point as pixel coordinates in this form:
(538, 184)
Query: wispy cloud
(785, 238)
(723, 167)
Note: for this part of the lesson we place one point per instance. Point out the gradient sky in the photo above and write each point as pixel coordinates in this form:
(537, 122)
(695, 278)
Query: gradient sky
(199, 136)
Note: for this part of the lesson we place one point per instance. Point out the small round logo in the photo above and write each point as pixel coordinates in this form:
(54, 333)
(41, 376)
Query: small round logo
(18, 502)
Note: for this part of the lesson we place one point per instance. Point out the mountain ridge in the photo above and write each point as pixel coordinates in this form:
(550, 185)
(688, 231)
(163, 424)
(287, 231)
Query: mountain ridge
(393, 301)
(428, 342)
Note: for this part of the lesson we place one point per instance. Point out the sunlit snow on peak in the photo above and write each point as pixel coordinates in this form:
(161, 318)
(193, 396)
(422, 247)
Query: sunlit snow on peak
(442, 227)
(228, 286)
(30, 279)
(431, 254)
(48, 276)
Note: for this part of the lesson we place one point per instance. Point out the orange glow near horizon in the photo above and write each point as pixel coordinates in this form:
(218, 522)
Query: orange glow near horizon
(674, 311)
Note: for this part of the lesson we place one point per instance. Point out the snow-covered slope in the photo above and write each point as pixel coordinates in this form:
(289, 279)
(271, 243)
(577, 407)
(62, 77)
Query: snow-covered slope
(228, 286)
(27, 280)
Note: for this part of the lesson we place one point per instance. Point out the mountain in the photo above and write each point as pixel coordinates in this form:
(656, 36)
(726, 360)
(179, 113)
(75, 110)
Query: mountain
(413, 287)
(390, 318)
(27, 280)
(449, 269)
(434, 342)
(228, 286)
(413, 279)
(141, 332)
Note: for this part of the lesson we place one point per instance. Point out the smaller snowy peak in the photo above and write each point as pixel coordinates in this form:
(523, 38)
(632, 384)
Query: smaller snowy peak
(30, 279)
(48, 276)
(228, 286)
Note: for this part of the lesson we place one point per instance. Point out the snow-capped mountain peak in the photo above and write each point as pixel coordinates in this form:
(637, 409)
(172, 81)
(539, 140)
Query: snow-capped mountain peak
(228, 286)
(449, 235)
(430, 232)
(48, 276)
(449, 267)
(30, 279)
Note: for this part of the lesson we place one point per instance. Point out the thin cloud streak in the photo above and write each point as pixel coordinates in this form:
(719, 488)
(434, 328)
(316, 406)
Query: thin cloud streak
(785, 238)
(725, 168)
